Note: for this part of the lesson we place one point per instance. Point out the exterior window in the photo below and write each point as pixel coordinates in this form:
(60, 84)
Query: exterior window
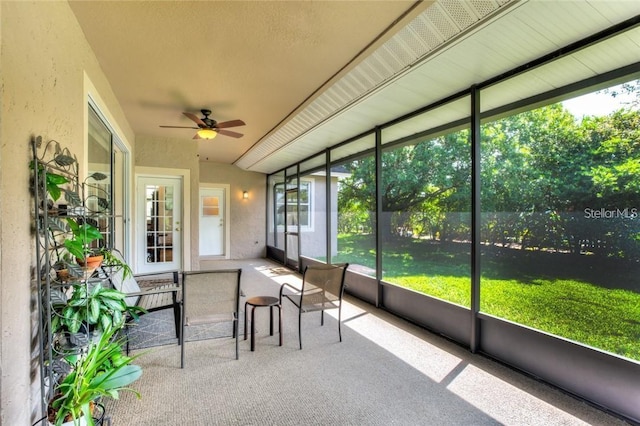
(292, 216)
(210, 206)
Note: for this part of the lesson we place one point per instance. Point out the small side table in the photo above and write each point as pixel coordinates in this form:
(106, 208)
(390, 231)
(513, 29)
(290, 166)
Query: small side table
(256, 302)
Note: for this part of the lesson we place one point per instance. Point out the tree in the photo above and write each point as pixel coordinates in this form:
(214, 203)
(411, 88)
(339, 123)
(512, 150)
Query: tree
(541, 170)
(412, 175)
(616, 173)
(533, 167)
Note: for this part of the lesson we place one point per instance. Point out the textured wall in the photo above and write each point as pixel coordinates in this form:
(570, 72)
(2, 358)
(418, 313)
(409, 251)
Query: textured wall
(44, 59)
(173, 154)
(247, 216)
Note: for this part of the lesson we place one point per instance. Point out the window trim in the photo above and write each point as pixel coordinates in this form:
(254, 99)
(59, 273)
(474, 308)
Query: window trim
(310, 226)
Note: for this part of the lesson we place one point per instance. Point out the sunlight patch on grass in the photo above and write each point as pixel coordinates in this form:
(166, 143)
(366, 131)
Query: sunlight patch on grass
(598, 317)
(453, 289)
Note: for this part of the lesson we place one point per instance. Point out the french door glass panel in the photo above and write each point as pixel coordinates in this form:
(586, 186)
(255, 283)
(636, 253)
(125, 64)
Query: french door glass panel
(161, 243)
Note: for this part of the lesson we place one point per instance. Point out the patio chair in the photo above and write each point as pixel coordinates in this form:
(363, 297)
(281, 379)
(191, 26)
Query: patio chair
(210, 297)
(322, 289)
(163, 293)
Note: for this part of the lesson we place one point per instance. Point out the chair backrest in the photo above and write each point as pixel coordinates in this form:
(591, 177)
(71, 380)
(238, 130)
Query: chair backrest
(327, 280)
(126, 285)
(209, 296)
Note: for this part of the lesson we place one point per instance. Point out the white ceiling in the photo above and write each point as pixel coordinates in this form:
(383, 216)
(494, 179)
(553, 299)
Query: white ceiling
(306, 75)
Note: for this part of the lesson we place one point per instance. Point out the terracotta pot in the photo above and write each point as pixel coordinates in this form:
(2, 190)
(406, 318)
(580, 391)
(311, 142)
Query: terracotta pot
(96, 409)
(63, 275)
(91, 262)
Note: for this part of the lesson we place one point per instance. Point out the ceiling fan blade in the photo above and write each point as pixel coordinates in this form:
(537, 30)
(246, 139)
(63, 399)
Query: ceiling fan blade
(179, 127)
(195, 118)
(196, 136)
(232, 123)
(229, 133)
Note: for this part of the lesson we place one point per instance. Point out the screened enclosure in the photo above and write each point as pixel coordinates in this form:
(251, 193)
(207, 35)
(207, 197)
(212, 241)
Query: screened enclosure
(507, 223)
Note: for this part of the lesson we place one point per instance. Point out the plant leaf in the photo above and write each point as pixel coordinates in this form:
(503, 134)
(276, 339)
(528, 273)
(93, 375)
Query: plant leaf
(56, 323)
(75, 248)
(86, 410)
(105, 320)
(116, 379)
(114, 305)
(94, 311)
(96, 290)
(54, 191)
(73, 225)
(72, 321)
(56, 179)
(118, 318)
(112, 294)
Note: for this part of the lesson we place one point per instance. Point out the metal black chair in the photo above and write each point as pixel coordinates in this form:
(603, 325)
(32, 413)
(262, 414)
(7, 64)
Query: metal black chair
(322, 289)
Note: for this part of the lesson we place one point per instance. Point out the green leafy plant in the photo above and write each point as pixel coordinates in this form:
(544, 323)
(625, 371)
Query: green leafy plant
(103, 371)
(52, 182)
(113, 263)
(98, 306)
(84, 234)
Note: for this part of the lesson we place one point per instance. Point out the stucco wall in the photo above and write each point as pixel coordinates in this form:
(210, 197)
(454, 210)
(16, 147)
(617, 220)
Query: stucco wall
(247, 219)
(48, 69)
(45, 61)
(171, 153)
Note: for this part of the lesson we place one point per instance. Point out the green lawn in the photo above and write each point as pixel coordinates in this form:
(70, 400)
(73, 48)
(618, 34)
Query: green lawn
(580, 298)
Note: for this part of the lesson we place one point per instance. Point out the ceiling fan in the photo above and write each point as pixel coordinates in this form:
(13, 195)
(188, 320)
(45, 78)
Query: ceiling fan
(208, 128)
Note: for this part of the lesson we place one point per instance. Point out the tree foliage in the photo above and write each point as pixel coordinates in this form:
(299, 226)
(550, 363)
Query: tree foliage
(548, 182)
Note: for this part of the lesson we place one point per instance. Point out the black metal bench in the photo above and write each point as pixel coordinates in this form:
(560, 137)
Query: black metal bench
(162, 292)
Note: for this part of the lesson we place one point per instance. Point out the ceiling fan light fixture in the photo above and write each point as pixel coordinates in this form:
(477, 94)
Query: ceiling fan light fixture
(208, 128)
(207, 133)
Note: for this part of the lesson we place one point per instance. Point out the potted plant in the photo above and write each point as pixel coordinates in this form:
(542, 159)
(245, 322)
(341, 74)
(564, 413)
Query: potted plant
(91, 306)
(62, 271)
(79, 245)
(103, 371)
(65, 267)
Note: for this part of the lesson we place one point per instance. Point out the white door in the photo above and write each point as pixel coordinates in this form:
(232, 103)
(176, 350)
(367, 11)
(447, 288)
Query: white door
(212, 222)
(159, 224)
